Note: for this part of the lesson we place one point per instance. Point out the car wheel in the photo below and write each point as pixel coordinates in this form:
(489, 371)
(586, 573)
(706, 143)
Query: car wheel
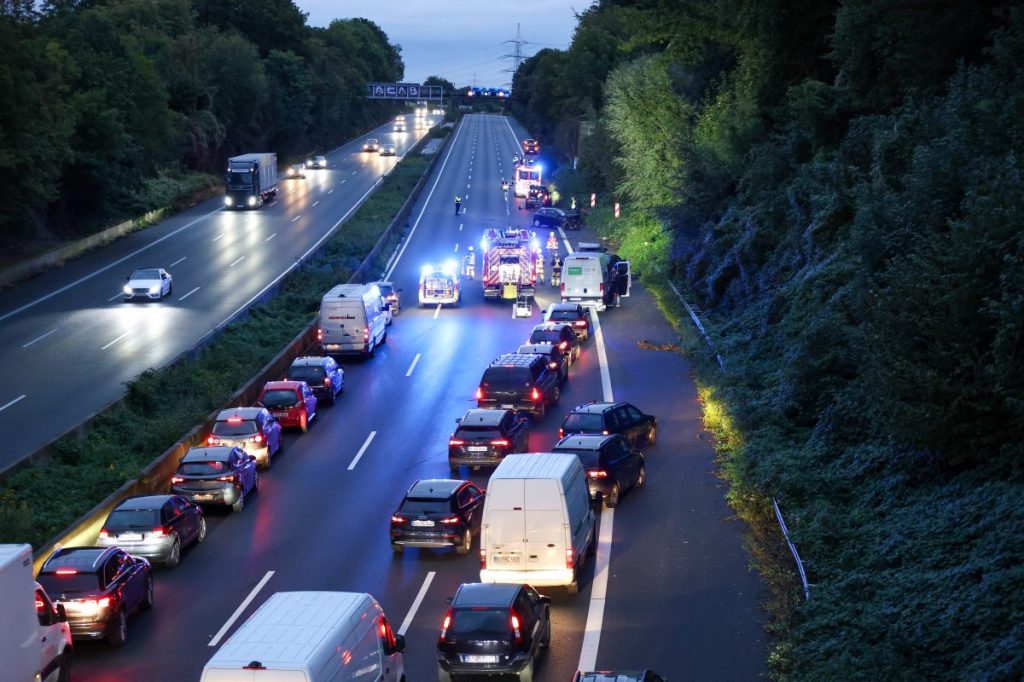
(611, 500)
(147, 597)
(255, 482)
(539, 414)
(526, 674)
(270, 459)
(280, 444)
(652, 435)
(443, 675)
(65, 667)
(397, 548)
(240, 504)
(546, 642)
(201, 535)
(304, 424)
(641, 477)
(170, 288)
(467, 543)
(558, 396)
(118, 634)
(574, 586)
(174, 558)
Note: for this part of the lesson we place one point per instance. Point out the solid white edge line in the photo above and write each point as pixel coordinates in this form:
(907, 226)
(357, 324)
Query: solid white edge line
(115, 341)
(18, 399)
(602, 358)
(359, 455)
(598, 594)
(40, 338)
(437, 179)
(407, 621)
(189, 294)
(241, 607)
(413, 365)
(437, 311)
(565, 240)
(183, 258)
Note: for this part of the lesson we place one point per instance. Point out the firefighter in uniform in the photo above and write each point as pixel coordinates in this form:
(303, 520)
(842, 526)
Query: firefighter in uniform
(556, 270)
(540, 269)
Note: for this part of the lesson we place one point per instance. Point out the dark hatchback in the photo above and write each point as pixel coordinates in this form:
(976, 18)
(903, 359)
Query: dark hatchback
(519, 382)
(549, 216)
(561, 334)
(438, 512)
(572, 314)
(484, 437)
(216, 475)
(610, 418)
(493, 629)
(98, 588)
(557, 360)
(323, 375)
(156, 527)
(613, 466)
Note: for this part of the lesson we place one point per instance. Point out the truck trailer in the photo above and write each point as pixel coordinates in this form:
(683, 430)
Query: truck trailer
(251, 180)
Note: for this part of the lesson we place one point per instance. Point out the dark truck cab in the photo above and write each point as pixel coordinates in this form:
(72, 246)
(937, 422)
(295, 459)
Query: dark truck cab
(250, 180)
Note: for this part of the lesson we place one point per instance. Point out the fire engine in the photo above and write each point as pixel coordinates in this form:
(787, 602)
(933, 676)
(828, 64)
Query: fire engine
(508, 266)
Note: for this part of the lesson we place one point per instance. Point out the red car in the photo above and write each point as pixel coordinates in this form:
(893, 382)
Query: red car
(291, 402)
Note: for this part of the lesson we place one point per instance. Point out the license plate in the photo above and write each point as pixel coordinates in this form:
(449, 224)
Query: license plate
(203, 496)
(477, 448)
(129, 536)
(333, 346)
(479, 658)
(422, 524)
(508, 407)
(507, 558)
(280, 414)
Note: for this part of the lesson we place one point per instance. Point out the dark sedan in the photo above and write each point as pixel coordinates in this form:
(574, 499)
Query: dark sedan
(574, 314)
(613, 465)
(98, 588)
(549, 216)
(216, 475)
(156, 527)
(438, 513)
(610, 418)
(485, 437)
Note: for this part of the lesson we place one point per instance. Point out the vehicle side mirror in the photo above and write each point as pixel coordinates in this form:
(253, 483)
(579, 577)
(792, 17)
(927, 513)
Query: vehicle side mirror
(127, 278)
(62, 614)
(399, 643)
(544, 599)
(448, 601)
(458, 420)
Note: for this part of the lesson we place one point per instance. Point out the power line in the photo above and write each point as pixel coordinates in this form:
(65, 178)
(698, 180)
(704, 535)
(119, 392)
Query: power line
(517, 53)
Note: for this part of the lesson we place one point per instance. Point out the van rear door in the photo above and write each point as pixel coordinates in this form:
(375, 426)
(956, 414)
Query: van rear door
(343, 323)
(546, 526)
(505, 525)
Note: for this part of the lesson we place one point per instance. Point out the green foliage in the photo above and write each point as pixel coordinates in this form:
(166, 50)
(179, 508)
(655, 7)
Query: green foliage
(39, 501)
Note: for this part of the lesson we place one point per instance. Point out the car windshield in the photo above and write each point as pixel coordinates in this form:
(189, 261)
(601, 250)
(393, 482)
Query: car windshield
(560, 315)
(478, 432)
(482, 623)
(425, 505)
(203, 468)
(56, 585)
(285, 397)
(546, 336)
(589, 458)
(583, 423)
(243, 427)
(311, 375)
(132, 518)
(151, 273)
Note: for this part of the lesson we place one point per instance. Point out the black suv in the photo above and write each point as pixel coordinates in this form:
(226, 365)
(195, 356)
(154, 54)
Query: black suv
(560, 334)
(493, 629)
(549, 216)
(484, 437)
(572, 314)
(556, 358)
(519, 382)
(438, 512)
(322, 373)
(98, 588)
(609, 418)
(613, 465)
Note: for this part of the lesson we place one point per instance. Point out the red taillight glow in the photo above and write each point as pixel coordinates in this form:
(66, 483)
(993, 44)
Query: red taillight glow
(101, 603)
(604, 433)
(211, 440)
(561, 432)
(327, 381)
(319, 334)
(563, 345)
(602, 287)
(225, 478)
(445, 625)
(568, 558)
(450, 521)
(235, 420)
(597, 473)
(177, 479)
(483, 558)
(563, 287)
(456, 441)
(552, 365)
(258, 438)
(39, 604)
(157, 533)
(579, 323)
(502, 442)
(517, 635)
(479, 393)
(534, 394)
(395, 518)
(366, 333)
(103, 531)
(67, 571)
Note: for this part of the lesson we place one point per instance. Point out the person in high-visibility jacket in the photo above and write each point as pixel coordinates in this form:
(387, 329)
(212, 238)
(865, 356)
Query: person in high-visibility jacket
(540, 269)
(556, 270)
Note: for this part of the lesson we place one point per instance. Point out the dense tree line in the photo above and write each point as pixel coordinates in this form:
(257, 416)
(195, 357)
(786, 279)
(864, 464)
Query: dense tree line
(838, 185)
(109, 108)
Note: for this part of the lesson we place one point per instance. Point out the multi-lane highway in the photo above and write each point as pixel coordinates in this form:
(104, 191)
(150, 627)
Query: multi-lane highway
(669, 588)
(69, 341)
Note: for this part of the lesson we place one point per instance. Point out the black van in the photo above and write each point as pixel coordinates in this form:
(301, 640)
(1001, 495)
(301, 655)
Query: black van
(516, 381)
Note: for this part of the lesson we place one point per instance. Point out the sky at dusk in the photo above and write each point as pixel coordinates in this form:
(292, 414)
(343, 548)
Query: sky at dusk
(458, 39)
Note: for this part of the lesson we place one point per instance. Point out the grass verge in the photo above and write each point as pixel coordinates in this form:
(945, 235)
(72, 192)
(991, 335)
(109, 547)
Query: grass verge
(161, 405)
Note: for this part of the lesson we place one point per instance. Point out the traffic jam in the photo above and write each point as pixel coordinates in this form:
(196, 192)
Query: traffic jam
(531, 523)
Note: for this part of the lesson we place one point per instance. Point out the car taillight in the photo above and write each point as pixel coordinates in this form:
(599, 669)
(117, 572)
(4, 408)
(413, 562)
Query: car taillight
(563, 345)
(602, 287)
(226, 478)
(517, 635)
(177, 479)
(211, 440)
(103, 531)
(579, 323)
(327, 381)
(258, 438)
(563, 287)
(396, 518)
(67, 571)
(450, 521)
(561, 432)
(597, 473)
(444, 625)
(101, 603)
(319, 334)
(479, 393)
(535, 394)
(605, 432)
(366, 333)
(568, 558)
(502, 442)
(157, 533)
(456, 441)
(483, 558)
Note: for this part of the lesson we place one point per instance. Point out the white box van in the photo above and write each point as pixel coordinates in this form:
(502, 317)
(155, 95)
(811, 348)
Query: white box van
(311, 637)
(352, 320)
(537, 523)
(594, 279)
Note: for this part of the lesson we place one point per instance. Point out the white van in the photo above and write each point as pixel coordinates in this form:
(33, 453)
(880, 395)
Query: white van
(537, 523)
(594, 279)
(311, 637)
(352, 320)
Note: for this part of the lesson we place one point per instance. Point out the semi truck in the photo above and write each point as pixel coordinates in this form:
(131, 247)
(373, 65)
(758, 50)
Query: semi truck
(35, 640)
(508, 267)
(251, 180)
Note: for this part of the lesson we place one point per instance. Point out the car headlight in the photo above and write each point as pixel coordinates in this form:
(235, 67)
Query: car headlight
(127, 289)
(252, 201)
(227, 201)
(154, 289)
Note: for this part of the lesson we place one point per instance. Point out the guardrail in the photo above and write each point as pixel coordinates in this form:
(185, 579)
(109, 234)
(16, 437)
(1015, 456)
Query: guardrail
(775, 503)
(156, 477)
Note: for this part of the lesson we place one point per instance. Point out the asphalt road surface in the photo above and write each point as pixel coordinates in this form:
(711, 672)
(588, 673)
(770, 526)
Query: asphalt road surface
(669, 588)
(69, 340)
